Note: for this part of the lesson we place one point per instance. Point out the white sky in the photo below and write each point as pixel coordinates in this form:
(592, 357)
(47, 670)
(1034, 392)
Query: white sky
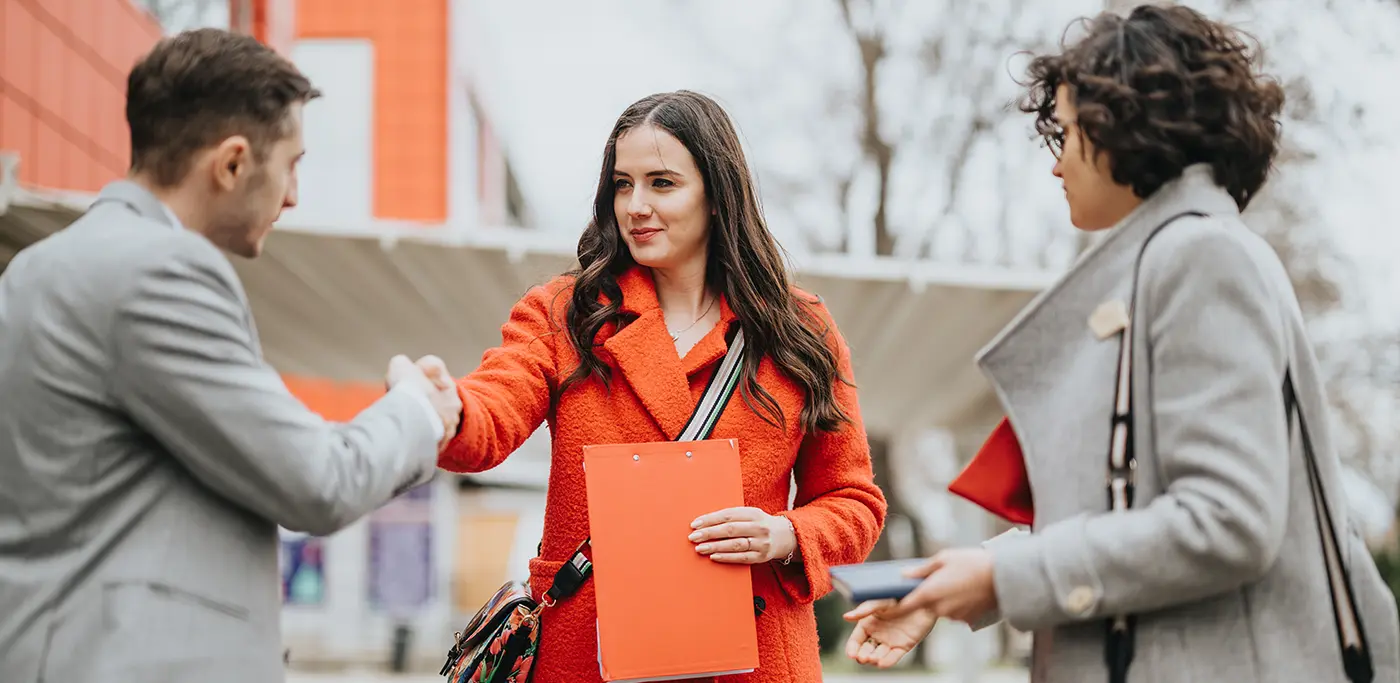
(556, 74)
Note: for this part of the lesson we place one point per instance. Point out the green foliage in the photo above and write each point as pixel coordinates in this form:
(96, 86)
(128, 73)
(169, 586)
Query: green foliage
(831, 628)
(1388, 561)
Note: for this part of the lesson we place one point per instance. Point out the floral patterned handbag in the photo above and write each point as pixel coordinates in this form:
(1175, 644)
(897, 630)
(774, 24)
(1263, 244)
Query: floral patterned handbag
(499, 643)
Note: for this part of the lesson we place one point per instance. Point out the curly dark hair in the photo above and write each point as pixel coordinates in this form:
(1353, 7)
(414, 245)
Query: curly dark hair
(1160, 90)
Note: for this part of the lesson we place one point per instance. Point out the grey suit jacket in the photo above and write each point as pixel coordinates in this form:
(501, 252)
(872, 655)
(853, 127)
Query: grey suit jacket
(148, 456)
(1220, 556)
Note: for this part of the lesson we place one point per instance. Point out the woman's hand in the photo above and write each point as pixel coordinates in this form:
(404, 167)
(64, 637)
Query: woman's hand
(957, 584)
(882, 638)
(743, 536)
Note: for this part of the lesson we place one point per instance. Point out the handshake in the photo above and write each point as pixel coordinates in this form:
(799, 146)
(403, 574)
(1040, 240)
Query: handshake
(956, 584)
(429, 375)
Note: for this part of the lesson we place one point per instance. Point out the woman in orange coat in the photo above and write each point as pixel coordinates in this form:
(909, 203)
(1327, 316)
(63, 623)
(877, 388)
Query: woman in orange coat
(676, 259)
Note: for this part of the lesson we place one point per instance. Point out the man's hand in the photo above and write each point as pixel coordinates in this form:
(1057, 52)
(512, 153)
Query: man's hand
(430, 375)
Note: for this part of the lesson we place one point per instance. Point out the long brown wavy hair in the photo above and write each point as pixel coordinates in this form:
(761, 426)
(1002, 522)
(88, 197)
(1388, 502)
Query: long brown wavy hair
(745, 265)
(1160, 90)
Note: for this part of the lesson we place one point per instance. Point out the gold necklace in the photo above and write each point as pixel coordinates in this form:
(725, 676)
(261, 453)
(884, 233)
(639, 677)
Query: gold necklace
(676, 336)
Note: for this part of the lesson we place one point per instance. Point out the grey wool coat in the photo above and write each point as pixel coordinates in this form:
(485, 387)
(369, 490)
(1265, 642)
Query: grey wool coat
(148, 454)
(1220, 556)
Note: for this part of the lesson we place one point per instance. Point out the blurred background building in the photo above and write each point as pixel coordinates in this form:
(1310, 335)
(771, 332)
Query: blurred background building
(451, 165)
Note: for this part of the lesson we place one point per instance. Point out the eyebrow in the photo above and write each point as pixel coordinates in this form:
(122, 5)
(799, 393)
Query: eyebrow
(651, 174)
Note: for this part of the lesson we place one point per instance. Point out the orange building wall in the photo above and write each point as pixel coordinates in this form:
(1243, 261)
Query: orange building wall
(336, 401)
(63, 66)
(410, 95)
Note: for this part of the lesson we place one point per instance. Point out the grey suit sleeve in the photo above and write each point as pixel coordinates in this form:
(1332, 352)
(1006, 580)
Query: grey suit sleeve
(186, 371)
(1221, 441)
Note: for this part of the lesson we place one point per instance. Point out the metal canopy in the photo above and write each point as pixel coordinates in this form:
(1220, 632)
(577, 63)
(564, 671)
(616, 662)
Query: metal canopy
(339, 307)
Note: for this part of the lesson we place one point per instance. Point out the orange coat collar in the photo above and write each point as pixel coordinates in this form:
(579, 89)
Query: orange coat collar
(647, 358)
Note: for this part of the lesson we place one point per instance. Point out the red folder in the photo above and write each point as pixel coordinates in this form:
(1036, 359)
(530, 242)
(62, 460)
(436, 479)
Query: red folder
(666, 612)
(996, 478)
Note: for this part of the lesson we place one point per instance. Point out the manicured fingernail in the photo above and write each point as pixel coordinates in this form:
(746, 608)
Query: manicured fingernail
(702, 548)
(695, 536)
(695, 524)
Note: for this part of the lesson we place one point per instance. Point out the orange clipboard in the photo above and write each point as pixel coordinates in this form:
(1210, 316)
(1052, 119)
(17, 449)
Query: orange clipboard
(666, 612)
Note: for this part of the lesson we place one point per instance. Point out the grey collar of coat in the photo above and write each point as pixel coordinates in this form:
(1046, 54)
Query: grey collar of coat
(1194, 190)
(139, 199)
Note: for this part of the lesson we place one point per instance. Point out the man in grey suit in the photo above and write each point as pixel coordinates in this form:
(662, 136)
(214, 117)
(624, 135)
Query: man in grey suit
(148, 453)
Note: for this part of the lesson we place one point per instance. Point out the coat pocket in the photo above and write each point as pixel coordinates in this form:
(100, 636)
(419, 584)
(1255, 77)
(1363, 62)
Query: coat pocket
(159, 618)
(135, 630)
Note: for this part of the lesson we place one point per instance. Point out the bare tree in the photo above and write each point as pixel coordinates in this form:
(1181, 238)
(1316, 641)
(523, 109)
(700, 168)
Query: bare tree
(871, 43)
(1331, 126)
(904, 129)
(964, 53)
(1360, 359)
(880, 113)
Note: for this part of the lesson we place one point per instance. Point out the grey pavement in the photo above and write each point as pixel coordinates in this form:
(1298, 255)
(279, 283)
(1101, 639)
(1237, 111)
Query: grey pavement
(989, 676)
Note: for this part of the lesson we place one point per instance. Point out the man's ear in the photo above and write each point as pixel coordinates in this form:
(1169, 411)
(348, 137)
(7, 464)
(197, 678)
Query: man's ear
(231, 159)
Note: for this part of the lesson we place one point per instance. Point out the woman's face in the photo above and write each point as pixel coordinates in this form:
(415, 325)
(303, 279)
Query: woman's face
(1095, 201)
(659, 199)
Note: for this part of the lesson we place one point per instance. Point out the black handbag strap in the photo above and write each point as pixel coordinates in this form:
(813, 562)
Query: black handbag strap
(1122, 463)
(720, 389)
(1122, 466)
(1351, 636)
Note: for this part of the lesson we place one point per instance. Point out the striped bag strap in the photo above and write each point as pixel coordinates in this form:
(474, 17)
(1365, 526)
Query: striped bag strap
(717, 393)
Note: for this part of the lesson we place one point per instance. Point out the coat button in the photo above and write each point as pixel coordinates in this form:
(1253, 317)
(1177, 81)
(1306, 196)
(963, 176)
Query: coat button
(759, 606)
(1080, 600)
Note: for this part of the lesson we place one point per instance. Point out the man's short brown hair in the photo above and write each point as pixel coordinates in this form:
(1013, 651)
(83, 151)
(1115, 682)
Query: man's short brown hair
(200, 87)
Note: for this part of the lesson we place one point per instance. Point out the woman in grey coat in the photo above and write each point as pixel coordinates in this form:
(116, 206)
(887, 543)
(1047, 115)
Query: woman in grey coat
(1178, 534)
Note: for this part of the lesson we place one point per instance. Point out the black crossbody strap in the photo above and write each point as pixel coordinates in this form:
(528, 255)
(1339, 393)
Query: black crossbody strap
(701, 424)
(1122, 464)
(1351, 637)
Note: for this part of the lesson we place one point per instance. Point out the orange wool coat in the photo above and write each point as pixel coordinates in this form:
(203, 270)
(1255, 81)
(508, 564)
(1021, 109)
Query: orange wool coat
(838, 513)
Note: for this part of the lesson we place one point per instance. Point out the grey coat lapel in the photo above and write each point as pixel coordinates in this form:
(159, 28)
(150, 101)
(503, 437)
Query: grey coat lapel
(1050, 351)
(1099, 272)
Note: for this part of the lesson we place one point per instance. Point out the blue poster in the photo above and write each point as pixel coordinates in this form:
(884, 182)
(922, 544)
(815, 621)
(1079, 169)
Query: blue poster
(303, 570)
(400, 566)
(401, 553)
